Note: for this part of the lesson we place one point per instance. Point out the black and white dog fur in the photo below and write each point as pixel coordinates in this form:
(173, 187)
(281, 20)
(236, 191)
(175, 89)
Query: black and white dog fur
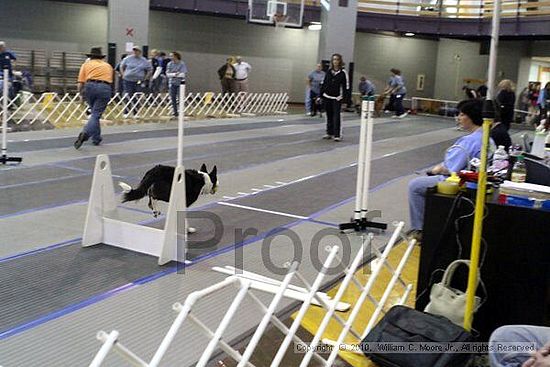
(157, 185)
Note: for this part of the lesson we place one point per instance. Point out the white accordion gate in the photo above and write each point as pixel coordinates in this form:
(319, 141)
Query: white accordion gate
(246, 282)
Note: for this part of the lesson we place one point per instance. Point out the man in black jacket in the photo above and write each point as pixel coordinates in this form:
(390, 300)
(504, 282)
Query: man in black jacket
(333, 90)
(227, 76)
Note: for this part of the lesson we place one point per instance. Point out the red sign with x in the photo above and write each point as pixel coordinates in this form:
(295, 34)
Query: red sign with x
(130, 32)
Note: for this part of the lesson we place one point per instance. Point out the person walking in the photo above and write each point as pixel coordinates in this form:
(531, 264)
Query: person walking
(334, 87)
(506, 100)
(227, 76)
(176, 71)
(315, 79)
(242, 69)
(397, 91)
(135, 69)
(94, 82)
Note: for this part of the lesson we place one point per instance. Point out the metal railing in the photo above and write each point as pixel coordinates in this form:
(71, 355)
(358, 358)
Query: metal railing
(308, 296)
(61, 110)
(430, 106)
(454, 8)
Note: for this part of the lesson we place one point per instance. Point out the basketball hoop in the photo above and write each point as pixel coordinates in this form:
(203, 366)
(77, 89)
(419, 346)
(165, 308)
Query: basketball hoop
(279, 20)
(279, 13)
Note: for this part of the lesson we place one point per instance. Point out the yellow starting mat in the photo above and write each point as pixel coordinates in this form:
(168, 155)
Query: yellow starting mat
(314, 315)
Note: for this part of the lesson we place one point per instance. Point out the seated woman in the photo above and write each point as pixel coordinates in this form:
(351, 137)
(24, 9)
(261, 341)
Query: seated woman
(505, 338)
(456, 159)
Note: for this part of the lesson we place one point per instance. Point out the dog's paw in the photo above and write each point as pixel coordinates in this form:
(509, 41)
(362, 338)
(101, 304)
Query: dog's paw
(125, 187)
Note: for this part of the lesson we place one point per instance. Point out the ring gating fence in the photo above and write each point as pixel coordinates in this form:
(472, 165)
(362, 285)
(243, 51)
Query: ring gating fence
(63, 110)
(308, 296)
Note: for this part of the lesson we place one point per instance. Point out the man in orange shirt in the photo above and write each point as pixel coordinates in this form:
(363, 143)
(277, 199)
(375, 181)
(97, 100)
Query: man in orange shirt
(94, 83)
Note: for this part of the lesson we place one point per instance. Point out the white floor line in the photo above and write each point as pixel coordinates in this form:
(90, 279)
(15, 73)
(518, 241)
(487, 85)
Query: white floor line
(243, 193)
(281, 183)
(229, 197)
(270, 186)
(256, 190)
(262, 210)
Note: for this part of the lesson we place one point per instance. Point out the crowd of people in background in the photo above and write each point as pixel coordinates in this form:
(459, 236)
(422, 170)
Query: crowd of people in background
(327, 90)
(530, 106)
(395, 89)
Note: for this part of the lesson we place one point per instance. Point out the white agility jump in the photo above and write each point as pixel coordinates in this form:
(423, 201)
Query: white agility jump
(248, 282)
(4, 158)
(104, 226)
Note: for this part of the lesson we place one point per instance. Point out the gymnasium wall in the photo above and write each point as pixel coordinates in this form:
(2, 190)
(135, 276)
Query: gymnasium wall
(53, 26)
(280, 59)
(451, 70)
(375, 55)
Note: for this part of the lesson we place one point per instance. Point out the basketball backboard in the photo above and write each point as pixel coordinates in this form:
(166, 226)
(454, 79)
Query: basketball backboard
(287, 13)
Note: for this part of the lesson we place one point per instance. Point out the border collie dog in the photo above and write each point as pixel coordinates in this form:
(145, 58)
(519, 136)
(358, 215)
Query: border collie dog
(157, 185)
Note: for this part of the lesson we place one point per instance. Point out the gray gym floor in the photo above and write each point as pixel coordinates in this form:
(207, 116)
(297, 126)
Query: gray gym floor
(275, 174)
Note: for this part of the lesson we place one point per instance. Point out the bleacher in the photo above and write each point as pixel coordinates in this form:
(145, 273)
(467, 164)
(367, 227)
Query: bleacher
(53, 71)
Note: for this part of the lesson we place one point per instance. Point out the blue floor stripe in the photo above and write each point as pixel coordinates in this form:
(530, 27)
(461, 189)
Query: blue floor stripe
(103, 296)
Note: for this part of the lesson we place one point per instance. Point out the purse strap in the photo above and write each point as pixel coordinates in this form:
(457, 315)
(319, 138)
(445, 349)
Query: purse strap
(450, 271)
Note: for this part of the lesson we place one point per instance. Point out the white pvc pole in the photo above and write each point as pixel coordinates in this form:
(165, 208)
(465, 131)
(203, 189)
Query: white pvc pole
(491, 72)
(267, 317)
(129, 356)
(181, 109)
(245, 286)
(365, 292)
(303, 309)
(368, 156)
(361, 162)
(389, 289)
(331, 312)
(5, 92)
(223, 344)
(183, 311)
(108, 341)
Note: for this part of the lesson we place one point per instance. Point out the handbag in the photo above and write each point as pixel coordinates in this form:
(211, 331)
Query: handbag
(417, 332)
(447, 301)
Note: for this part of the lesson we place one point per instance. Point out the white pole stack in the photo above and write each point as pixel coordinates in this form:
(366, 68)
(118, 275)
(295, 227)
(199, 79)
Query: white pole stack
(360, 221)
(5, 91)
(5, 98)
(367, 159)
(181, 119)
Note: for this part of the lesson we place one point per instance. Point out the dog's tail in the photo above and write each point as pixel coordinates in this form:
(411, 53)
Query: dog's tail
(130, 194)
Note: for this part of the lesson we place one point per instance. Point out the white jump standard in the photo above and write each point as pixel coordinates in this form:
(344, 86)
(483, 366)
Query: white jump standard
(360, 220)
(104, 226)
(4, 159)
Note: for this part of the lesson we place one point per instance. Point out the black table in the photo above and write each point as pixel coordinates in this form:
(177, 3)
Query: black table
(516, 269)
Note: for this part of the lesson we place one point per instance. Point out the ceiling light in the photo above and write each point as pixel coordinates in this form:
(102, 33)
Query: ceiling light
(409, 34)
(315, 27)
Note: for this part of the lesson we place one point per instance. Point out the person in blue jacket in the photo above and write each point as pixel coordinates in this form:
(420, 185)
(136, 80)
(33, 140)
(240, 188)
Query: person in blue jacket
(456, 159)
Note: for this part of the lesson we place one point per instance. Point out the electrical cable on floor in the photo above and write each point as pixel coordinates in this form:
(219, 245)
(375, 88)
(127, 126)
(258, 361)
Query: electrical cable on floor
(460, 196)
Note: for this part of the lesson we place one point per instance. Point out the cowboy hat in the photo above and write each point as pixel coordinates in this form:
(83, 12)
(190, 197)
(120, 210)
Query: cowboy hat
(96, 51)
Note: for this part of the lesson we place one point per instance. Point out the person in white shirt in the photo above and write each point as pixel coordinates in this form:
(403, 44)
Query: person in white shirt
(242, 68)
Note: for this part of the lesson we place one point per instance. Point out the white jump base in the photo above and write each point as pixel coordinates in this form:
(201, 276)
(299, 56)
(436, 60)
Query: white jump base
(104, 226)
